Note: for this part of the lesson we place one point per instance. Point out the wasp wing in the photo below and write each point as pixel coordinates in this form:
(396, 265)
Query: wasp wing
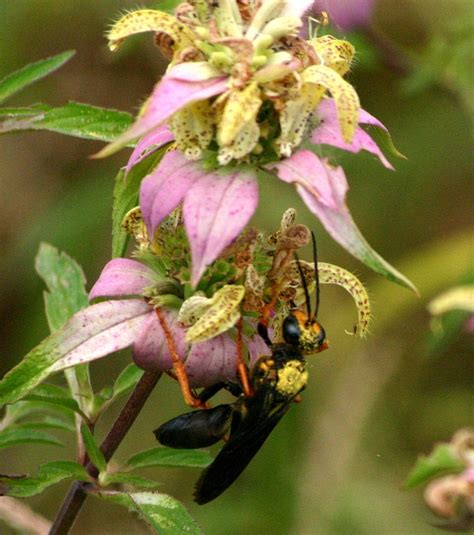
(248, 437)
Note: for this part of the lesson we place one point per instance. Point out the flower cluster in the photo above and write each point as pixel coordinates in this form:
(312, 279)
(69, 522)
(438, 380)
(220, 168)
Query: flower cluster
(452, 497)
(240, 283)
(244, 95)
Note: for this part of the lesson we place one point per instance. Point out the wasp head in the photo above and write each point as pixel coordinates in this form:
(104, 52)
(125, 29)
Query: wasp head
(305, 333)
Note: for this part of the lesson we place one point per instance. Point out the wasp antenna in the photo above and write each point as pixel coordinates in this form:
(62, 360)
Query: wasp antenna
(305, 286)
(316, 273)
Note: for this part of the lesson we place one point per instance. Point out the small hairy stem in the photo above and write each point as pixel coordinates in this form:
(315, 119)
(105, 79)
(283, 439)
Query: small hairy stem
(393, 57)
(77, 494)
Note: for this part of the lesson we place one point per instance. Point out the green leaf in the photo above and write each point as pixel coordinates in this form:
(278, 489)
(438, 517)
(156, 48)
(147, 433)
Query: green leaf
(161, 512)
(90, 334)
(66, 284)
(440, 461)
(54, 395)
(48, 474)
(128, 378)
(48, 422)
(127, 186)
(33, 72)
(93, 450)
(23, 112)
(13, 436)
(384, 139)
(131, 479)
(125, 195)
(22, 409)
(67, 295)
(73, 119)
(169, 457)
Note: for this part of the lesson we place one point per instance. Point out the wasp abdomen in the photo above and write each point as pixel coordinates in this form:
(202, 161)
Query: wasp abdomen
(196, 429)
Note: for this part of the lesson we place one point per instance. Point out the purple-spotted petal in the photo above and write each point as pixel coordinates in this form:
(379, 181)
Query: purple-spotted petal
(165, 187)
(212, 361)
(215, 210)
(150, 350)
(336, 219)
(149, 144)
(169, 96)
(122, 277)
(328, 132)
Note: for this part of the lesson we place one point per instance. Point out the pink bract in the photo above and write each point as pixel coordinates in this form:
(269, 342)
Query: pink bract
(328, 132)
(134, 322)
(216, 207)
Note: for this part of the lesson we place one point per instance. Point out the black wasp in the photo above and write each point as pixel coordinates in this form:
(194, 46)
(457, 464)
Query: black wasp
(276, 381)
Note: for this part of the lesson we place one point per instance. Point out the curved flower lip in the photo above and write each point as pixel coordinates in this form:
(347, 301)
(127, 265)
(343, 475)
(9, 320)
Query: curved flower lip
(122, 277)
(329, 132)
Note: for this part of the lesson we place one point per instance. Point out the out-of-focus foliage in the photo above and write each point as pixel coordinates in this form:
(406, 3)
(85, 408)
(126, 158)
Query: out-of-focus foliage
(337, 463)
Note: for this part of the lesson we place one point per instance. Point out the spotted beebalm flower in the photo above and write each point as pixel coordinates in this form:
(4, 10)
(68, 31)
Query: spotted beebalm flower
(149, 304)
(243, 95)
(202, 322)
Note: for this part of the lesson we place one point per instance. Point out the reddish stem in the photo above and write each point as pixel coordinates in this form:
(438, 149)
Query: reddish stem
(77, 494)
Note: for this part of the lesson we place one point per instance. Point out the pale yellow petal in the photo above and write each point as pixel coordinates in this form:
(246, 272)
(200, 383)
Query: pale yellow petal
(193, 128)
(228, 18)
(457, 298)
(331, 274)
(222, 313)
(345, 96)
(242, 145)
(146, 20)
(241, 107)
(334, 53)
(294, 118)
(192, 309)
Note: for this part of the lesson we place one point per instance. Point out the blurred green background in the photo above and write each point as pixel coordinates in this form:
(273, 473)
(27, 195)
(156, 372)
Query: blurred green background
(336, 463)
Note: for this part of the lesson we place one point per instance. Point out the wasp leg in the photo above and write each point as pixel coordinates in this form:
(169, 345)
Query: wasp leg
(262, 330)
(210, 391)
(242, 369)
(262, 326)
(178, 365)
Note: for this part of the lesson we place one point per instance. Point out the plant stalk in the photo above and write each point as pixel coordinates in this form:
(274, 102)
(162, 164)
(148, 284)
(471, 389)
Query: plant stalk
(77, 493)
